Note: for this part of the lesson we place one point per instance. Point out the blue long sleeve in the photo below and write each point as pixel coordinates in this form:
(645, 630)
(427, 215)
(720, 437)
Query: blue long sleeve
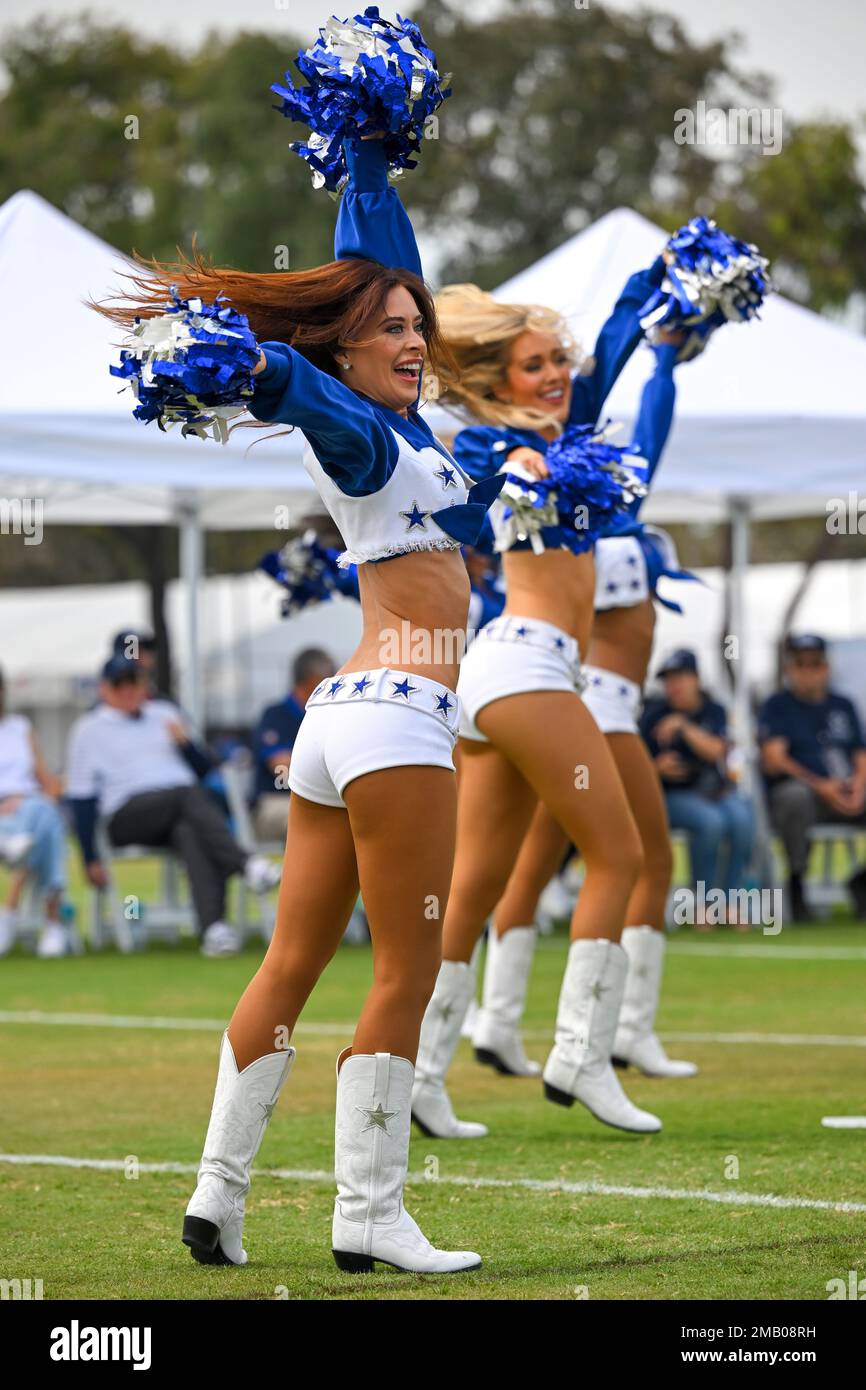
(84, 810)
(350, 441)
(656, 413)
(615, 344)
(372, 224)
(481, 450)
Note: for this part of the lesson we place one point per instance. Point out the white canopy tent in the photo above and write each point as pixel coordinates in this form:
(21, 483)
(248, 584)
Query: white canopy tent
(771, 421)
(67, 437)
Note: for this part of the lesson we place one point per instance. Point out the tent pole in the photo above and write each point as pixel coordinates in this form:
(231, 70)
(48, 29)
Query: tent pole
(191, 557)
(744, 732)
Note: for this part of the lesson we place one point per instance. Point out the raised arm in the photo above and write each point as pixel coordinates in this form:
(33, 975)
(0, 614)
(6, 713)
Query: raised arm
(616, 342)
(372, 224)
(656, 413)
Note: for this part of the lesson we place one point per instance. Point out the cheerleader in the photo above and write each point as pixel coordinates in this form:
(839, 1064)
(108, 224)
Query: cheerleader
(628, 567)
(345, 347)
(525, 733)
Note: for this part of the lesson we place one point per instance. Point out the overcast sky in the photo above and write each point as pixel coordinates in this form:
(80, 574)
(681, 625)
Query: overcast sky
(814, 48)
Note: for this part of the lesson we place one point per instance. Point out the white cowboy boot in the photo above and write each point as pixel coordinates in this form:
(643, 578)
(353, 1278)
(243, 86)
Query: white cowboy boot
(243, 1104)
(636, 1041)
(579, 1066)
(506, 973)
(374, 1112)
(440, 1033)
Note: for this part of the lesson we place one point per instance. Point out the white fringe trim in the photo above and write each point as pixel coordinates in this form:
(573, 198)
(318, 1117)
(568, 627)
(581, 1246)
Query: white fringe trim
(384, 552)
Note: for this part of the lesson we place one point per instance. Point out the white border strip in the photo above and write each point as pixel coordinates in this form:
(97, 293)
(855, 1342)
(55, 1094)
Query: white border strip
(579, 1189)
(37, 1017)
(737, 951)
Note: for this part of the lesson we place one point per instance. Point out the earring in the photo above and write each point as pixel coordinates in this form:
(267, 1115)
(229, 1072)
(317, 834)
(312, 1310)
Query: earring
(347, 366)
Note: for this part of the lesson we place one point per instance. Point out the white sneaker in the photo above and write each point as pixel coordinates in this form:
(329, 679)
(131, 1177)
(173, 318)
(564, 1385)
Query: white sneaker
(220, 939)
(261, 875)
(53, 941)
(374, 1104)
(8, 929)
(14, 848)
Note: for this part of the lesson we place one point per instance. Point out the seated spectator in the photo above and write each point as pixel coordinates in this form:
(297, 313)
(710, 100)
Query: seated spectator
(140, 647)
(686, 733)
(814, 761)
(275, 739)
(134, 761)
(32, 833)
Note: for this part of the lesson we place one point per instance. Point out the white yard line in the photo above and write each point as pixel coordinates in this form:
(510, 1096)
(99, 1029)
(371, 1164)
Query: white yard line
(336, 1029)
(576, 1189)
(205, 1025)
(768, 951)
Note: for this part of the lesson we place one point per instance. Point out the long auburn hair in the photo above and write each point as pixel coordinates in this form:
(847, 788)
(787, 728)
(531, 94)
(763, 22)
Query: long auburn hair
(317, 311)
(479, 333)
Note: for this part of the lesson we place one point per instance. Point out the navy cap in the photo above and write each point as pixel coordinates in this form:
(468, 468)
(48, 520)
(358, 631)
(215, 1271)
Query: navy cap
(145, 640)
(805, 642)
(680, 660)
(117, 670)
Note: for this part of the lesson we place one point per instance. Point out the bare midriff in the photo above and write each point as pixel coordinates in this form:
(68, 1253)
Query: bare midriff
(556, 587)
(622, 640)
(414, 609)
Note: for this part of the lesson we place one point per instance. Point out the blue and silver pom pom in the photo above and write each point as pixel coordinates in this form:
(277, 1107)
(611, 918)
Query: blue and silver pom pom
(309, 572)
(711, 279)
(192, 365)
(364, 74)
(591, 482)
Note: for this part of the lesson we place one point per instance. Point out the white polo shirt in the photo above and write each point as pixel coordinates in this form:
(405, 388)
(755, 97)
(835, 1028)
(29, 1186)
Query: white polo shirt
(17, 770)
(114, 756)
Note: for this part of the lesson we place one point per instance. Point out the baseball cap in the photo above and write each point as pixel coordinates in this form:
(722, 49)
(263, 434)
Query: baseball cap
(117, 670)
(146, 642)
(680, 660)
(805, 642)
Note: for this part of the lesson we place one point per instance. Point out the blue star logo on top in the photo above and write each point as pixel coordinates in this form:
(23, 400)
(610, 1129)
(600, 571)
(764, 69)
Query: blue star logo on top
(403, 688)
(559, 643)
(443, 704)
(415, 517)
(522, 631)
(335, 687)
(446, 476)
(360, 687)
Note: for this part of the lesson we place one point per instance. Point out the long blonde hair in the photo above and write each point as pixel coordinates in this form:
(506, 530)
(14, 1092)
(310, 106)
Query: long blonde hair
(479, 333)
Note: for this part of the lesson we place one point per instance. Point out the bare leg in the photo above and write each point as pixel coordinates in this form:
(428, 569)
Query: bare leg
(551, 738)
(317, 893)
(493, 814)
(403, 822)
(646, 906)
(540, 856)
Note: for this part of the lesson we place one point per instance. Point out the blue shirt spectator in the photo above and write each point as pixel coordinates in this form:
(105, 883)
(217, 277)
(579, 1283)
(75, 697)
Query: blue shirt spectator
(687, 734)
(814, 761)
(274, 740)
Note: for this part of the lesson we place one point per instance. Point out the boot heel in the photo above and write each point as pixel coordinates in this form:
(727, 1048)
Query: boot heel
(558, 1097)
(428, 1133)
(203, 1237)
(490, 1059)
(351, 1263)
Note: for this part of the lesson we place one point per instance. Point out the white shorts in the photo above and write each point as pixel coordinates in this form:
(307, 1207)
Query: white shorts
(512, 656)
(365, 721)
(613, 701)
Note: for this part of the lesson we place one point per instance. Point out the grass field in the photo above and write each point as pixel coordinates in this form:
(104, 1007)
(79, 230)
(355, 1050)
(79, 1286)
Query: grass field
(688, 1217)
